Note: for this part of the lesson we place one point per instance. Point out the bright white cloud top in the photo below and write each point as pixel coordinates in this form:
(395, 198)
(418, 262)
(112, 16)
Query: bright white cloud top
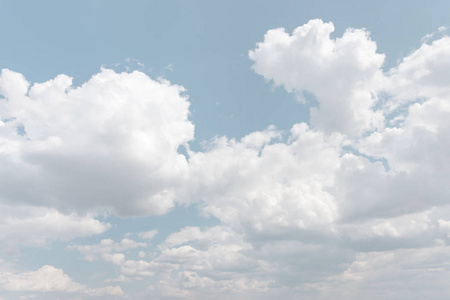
(343, 73)
(352, 202)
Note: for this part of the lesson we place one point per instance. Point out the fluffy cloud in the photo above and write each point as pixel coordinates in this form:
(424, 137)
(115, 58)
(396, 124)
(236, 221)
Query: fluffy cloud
(45, 279)
(50, 279)
(343, 74)
(415, 273)
(269, 188)
(200, 264)
(112, 252)
(411, 137)
(424, 73)
(414, 143)
(111, 142)
(193, 263)
(35, 226)
(148, 235)
(106, 246)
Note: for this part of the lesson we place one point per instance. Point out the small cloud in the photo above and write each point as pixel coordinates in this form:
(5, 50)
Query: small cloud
(431, 36)
(427, 37)
(121, 278)
(148, 235)
(169, 67)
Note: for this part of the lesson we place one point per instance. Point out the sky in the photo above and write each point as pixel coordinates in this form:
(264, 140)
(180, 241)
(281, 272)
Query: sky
(226, 150)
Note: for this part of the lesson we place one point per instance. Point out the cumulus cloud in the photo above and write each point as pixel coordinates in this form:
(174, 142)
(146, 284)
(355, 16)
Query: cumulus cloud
(106, 246)
(269, 188)
(346, 77)
(415, 273)
(198, 264)
(50, 279)
(35, 226)
(111, 142)
(415, 145)
(194, 263)
(148, 235)
(45, 279)
(113, 252)
(343, 73)
(423, 73)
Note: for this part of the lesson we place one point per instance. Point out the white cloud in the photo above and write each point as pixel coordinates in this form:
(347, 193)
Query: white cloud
(120, 278)
(129, 267)
(35, 226)
(50, 279)
(424, 73)
(410, 273)
(405, 231)
(106, 246)
(111, 142)
(45, 279)
(110, 251)
(107, 290)
(406, 225)
(417, 155)
(217, 250)
(148, 235)
(343, 73)
(201, 264)
(194, 263)
(269, 189)
(201, 238)
(444, 225)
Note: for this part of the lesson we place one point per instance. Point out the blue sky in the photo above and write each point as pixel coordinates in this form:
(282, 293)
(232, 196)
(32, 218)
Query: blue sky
(198, 149)
(205, 42)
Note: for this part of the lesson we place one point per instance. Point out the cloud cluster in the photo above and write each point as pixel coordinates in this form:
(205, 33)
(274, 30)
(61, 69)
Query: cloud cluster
(106, 246)
(328, 208)
(191, 263)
